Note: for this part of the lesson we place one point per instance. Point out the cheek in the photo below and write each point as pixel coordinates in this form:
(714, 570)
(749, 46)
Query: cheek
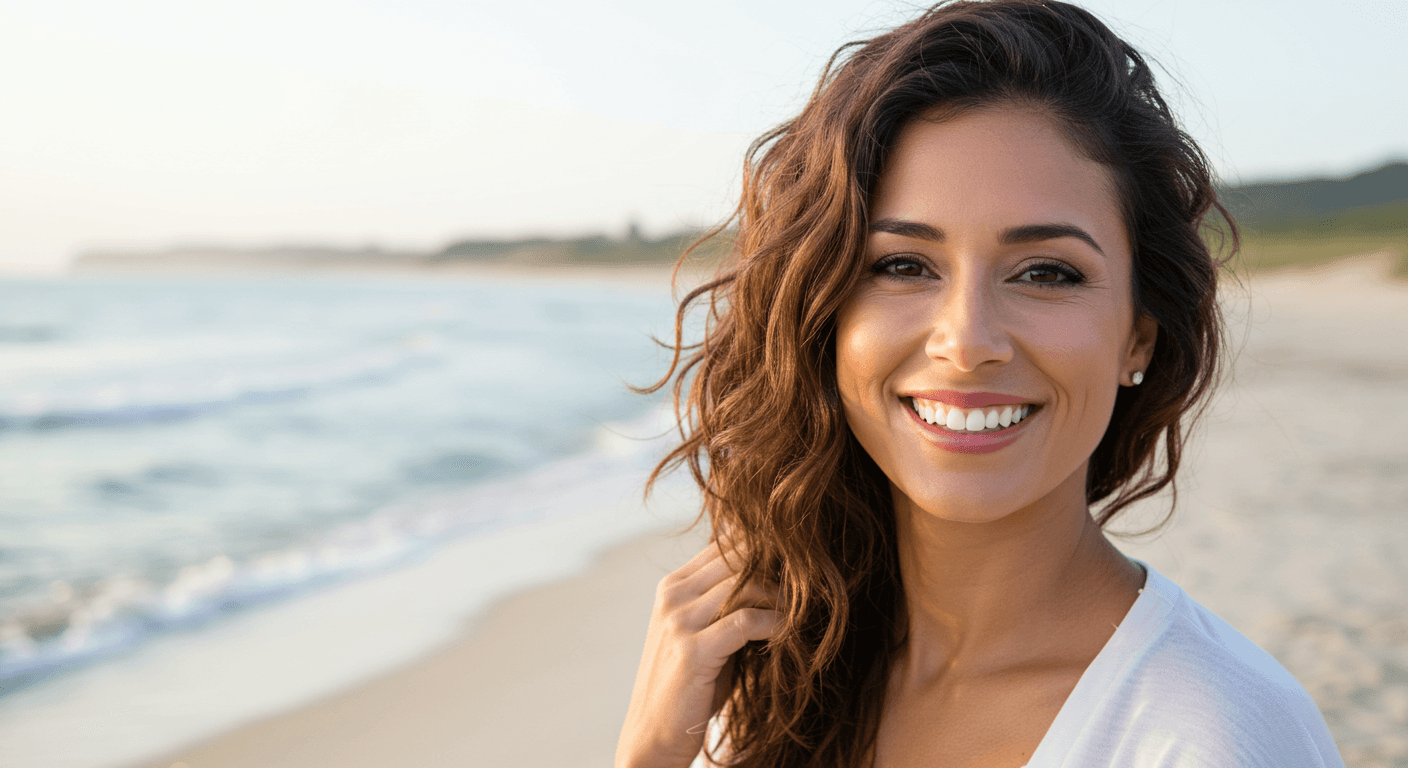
(868, 350)
(1080, 353)
(866, 356)
(1083, 341)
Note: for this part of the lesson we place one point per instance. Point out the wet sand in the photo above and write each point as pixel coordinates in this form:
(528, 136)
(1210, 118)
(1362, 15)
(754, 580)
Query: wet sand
(1290, 525)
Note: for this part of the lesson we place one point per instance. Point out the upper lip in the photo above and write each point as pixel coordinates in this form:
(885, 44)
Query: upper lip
(957, 399)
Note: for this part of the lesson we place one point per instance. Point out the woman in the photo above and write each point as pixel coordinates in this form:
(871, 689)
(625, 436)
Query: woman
(968, 300)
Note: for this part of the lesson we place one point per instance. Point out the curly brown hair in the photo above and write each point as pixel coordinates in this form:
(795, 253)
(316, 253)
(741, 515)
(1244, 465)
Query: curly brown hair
(761, 420)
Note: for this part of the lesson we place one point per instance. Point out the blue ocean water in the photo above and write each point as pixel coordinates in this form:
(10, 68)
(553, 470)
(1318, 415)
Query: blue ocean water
(177, 450)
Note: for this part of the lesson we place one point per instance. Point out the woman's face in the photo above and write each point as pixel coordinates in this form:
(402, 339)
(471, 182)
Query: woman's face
(997, 285)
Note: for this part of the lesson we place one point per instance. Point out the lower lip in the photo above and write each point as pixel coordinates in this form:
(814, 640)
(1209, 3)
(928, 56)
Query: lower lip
(960, 442)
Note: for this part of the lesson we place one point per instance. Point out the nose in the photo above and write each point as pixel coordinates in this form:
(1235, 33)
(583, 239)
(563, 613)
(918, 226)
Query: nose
(967, 328)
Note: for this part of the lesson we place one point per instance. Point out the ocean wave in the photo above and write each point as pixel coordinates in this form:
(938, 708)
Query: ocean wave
(73, 626)
(121, 611)
(174, 393)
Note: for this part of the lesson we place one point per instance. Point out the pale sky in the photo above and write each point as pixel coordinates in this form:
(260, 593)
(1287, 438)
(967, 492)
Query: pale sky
(408, 123)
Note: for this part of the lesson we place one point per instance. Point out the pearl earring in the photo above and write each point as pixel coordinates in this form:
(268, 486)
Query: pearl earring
(1137, 378)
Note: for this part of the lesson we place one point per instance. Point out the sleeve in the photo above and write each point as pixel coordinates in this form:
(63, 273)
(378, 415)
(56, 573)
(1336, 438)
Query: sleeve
(1237, 722)
(713, 736)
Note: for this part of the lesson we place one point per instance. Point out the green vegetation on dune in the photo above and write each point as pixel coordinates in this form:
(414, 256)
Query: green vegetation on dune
(1321, 239)
(1270, 203)
(595, 250)
(1313, 222)
(1263, 251)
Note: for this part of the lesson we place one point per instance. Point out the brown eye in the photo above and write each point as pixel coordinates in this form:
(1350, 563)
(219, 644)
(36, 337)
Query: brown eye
(900, 266)
(1051, 274)
(907, 269)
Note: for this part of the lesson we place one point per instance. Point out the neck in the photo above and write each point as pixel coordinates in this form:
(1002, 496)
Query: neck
(1027, 588)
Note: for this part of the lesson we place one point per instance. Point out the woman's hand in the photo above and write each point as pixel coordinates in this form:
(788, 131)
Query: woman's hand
(679, 686)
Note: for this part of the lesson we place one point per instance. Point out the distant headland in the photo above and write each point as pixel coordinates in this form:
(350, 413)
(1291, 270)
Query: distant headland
(594, 250)
(1284, 222)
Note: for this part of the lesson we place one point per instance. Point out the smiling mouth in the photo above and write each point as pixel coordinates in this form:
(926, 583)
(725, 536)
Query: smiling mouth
(972, 420)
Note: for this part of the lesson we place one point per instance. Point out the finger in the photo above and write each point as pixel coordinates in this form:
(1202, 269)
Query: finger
(699, 612)
(700, 559)
(704, 609)
(752, 595)
(726, 636)
(710, 573)
(693, 580)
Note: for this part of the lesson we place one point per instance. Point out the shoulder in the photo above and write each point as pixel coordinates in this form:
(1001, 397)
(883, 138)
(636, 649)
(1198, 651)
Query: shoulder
(1197, 692)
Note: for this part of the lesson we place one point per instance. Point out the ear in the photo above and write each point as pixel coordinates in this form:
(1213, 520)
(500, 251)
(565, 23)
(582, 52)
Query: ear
(1140, 349)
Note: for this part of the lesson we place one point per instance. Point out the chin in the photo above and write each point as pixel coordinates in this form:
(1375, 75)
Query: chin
(965, 505)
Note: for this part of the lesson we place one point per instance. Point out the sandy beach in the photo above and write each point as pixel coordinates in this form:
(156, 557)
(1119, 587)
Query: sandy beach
(1289, 525)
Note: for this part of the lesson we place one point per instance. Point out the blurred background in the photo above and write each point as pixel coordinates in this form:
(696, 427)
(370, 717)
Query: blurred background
(316, 322)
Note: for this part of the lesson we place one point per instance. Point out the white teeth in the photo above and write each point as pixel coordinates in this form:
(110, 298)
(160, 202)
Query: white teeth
(972, 420)
(956, 420)
(976, 420)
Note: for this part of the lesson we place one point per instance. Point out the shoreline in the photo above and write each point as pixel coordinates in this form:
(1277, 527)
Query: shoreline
(561, 666)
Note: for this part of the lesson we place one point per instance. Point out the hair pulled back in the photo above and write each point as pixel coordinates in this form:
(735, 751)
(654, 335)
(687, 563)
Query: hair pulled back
(763, 430)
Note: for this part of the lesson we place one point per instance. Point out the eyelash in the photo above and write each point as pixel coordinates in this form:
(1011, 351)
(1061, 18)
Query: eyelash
(1072, 276)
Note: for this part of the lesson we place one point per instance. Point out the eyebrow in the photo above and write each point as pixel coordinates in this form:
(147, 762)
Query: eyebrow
(1027, 233)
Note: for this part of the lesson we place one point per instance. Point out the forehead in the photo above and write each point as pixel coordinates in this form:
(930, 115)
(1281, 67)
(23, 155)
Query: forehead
(996, 167)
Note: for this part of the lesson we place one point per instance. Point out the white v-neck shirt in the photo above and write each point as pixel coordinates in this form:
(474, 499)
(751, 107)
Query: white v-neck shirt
(1177, 687)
